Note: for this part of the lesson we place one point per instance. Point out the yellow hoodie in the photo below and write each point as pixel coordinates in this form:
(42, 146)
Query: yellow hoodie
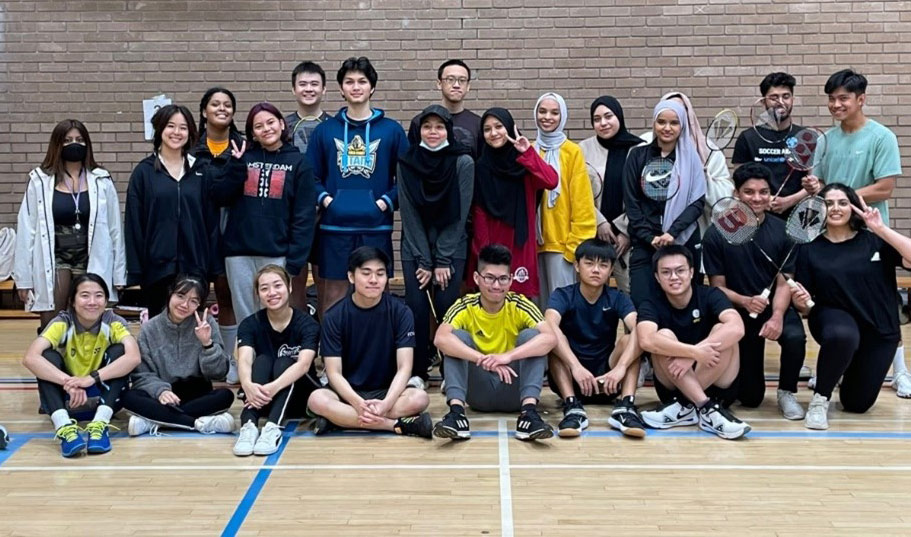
(572, 218)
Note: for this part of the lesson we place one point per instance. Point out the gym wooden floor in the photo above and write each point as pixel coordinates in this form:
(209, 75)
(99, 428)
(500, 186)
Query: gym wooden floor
(782, 480)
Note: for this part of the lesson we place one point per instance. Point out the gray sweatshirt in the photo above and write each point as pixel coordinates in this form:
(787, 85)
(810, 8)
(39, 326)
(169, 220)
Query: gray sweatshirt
(170, 352)
(436, 247)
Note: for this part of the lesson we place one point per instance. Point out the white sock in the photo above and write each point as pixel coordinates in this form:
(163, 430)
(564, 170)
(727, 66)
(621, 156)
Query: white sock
(898, 363)
(104, 413)
(60, 418)
(228, 338)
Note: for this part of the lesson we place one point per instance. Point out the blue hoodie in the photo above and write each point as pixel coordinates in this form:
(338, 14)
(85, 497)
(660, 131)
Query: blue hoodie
(355, 163)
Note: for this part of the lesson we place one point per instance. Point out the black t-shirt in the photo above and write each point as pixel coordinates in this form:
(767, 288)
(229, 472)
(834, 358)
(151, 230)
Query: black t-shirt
(466, 129)
(856, 276)
(367, 340)
(301, 333)
(745, 269)
(691, 324)
(591, 329)
(750, 147)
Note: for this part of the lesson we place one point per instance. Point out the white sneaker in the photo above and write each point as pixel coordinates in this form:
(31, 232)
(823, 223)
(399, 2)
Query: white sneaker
(716, 419)
(219, 423)
(139, 426)
(805, 372)
(232, 377)
(269, 440)
(901, 383)
(246, 439)
(817, 413)
(789, 407)
(670, 415)
(417, 382)
(811, 383)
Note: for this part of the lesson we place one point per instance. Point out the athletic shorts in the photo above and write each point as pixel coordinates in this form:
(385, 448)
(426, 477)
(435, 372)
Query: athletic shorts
(597, 367)
(334, 250)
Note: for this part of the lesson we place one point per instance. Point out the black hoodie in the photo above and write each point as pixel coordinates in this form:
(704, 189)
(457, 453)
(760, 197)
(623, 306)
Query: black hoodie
(170, 226)
(272, 204)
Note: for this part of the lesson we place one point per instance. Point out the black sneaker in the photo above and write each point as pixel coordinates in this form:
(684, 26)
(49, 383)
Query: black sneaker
(453, 425)
(574, 418)
(420, 425)
(322, 426)
(530, 426)
(4, 437)
(625, 418)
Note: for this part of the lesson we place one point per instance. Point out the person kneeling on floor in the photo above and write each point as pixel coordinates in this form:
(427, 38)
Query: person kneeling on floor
(506, 337)
(368, 348)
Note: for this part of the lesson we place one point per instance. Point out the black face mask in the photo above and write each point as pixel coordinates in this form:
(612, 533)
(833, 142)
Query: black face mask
(74, 152)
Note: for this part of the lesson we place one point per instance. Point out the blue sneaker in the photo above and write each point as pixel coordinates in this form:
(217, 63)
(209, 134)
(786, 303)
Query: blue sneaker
(98, 441)
(71, 443)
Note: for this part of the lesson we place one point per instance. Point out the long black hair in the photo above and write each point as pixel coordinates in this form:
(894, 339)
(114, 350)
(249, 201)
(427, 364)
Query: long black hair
(204, 102)
(855, 222)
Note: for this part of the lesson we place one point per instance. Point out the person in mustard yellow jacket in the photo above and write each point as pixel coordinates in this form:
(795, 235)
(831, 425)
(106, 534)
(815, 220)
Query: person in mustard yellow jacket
(566, 214)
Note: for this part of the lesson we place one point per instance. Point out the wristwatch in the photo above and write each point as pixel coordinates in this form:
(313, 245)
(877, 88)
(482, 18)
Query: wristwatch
(97, 377)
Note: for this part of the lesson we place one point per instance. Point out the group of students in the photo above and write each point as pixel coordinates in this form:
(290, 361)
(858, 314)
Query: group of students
(530, 227)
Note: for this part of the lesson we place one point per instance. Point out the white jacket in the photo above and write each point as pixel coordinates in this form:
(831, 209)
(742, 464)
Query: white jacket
(34, 260)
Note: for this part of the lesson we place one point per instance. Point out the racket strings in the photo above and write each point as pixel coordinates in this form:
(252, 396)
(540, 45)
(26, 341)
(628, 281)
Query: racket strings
(734, 220)
(807, 221)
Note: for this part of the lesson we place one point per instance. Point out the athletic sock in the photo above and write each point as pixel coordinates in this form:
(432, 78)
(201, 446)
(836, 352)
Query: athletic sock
(228, 337)
(60, 418)
(529, 406)
(104, 413)
(708, 401)
(898, 362)
(458, 409)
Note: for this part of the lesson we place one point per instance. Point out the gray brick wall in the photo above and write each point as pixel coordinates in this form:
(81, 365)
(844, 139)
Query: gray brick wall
(96, 61)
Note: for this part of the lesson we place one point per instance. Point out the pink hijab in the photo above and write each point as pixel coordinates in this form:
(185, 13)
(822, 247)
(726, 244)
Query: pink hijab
(695, 129)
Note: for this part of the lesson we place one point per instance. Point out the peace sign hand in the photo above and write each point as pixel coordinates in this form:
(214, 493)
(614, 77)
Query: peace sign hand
(203, 328)
(237, 153)
(520, 142)
(871, 215)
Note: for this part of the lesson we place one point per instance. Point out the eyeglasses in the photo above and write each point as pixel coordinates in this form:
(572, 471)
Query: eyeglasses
(192, 302)
(451, 80)
(490, 279)
(680, 272)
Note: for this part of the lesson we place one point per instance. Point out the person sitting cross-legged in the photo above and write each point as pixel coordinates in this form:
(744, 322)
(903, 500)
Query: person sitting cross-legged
(692, 332)
(368, 348)
(495, 345)
(589, 365)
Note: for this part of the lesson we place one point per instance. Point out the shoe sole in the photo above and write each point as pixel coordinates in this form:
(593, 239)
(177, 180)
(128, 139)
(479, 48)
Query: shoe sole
(451, 434)
(540, 434)
(817, 427)
(793, 417)
(663, 425)
(633, 432)
(899, 393)
(74, 452)
(262, 453)
(242, 453)
(571, 432)
(97, 451)
(727, 436)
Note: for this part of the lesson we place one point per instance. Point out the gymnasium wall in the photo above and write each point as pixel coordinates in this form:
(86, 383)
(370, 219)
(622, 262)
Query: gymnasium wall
(96, 61)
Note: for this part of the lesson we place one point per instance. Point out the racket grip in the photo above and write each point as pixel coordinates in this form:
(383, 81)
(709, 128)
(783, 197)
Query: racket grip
(793, 285)
(765, 294)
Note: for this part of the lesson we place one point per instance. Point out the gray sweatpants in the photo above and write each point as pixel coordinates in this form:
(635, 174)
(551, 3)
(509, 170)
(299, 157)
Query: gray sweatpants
(483, 390)
(554, 272)
(240, 270)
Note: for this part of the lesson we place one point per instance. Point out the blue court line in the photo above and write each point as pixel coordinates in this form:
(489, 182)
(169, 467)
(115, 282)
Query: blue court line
(249, 499)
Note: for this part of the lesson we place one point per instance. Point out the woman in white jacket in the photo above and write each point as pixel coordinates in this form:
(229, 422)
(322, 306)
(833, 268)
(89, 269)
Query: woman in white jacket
(69, 224)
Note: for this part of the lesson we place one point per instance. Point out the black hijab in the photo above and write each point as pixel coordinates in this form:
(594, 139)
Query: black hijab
(618, 147)
(500, 180)
(431, 177)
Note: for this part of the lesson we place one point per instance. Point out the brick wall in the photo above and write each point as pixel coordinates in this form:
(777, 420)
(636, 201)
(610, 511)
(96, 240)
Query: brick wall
(96, 61)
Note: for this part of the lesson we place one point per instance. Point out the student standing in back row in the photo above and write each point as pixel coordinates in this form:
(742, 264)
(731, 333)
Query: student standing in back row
(454, 83)
(354, 157)
(308, 84)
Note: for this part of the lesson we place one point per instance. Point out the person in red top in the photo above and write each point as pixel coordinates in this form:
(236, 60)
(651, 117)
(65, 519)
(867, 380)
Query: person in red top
(507, 178)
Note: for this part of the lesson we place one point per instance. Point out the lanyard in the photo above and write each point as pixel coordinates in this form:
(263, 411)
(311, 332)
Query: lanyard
(76, 195)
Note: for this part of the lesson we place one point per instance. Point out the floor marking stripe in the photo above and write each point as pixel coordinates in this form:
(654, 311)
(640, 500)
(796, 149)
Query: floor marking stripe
(506, 525)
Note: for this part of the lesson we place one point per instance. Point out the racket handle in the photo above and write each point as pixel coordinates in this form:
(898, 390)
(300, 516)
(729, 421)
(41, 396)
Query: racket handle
(765, 294)
(793, 285)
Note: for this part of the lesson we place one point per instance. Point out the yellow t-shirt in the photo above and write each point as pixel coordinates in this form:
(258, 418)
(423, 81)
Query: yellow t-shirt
(217, 148)
(494, 333)
(83, 350)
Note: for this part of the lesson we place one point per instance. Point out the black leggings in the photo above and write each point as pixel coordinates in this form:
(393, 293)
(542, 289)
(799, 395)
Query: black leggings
(291, 401)
(854, 352)
(751, 378)
(642, 283)
(155, 295)
(416, 299)
(53, 397)
(197, 399)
